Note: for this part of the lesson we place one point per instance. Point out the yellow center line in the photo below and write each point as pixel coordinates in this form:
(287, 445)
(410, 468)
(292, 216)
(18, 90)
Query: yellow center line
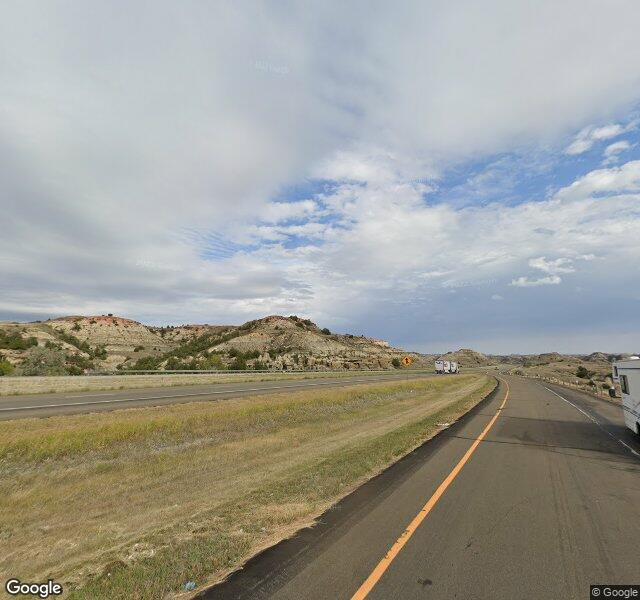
(383, 565)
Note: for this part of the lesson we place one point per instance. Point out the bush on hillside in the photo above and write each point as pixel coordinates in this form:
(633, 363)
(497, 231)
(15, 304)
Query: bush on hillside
(213, 361)
(74, 341)
(77, 364)
(148, 363)
(43, 361)
(14, 341)
(100, 352)
(396, 362)
(583, 373)
(6, 368)
(326, 331)
(239, 364)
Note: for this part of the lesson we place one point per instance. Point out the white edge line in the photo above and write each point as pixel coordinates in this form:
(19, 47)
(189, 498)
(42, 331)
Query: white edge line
(586, 414)
(210, 393)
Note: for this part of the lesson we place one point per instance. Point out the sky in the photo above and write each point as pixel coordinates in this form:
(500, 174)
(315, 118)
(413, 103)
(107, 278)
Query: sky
(438, 174)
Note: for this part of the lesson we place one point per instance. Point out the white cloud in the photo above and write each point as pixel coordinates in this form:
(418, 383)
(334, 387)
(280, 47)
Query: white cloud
(612, 151)
(553, 267)
(587, 137)
(614, 180)
(386, 239)
(526, 282)
(139, 164)
(606, 132)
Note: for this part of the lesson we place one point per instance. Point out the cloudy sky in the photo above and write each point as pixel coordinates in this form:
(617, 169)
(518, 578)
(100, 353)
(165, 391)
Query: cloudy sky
(438, 174)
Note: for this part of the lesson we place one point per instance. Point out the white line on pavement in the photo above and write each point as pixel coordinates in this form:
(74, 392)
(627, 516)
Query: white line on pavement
(586, 414)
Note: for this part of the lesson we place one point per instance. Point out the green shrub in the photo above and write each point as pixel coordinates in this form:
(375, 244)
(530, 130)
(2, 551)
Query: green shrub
(326, 331)
(213, 361)
(138, 348)
(6, 368)
(77, 364)
(175, 364)
(239, 364)
(583, 373)
(44, 361)
(100, 352)
(15, 341)
(148, 363)
(74, 341)
(396, 362)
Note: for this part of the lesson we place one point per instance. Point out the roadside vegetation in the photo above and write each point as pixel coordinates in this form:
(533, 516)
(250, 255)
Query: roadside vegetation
(6, 368)
(590, 374)
(13, 340)
(136, 503)
(10, 386)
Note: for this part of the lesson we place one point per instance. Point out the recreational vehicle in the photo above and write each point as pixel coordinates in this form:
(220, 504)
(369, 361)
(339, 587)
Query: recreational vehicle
(627, 373)
(446, 366)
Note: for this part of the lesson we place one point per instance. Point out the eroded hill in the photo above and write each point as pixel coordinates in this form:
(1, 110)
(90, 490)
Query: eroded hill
(78, 344)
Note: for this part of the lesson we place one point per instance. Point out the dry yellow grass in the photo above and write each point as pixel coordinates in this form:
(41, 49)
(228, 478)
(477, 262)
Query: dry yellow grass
(10, 386)
(133, 503)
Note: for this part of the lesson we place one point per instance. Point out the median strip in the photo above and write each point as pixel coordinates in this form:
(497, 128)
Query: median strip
(139, 502)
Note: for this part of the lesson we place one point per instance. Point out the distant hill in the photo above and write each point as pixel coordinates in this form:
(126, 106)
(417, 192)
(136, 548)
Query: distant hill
(77, 344)
(109, 342)
(466, 357)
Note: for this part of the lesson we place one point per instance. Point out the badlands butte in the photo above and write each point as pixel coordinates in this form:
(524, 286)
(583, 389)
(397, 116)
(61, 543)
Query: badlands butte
(78, 345)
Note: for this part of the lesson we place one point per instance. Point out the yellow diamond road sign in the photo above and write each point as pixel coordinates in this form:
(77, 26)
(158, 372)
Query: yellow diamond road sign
(407, 360)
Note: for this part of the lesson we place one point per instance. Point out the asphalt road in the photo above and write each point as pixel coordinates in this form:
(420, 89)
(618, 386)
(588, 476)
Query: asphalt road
(46, 405)
(547, 503)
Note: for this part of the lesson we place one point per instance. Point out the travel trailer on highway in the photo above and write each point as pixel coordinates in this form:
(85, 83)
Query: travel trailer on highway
(446, 366)
(627, 374)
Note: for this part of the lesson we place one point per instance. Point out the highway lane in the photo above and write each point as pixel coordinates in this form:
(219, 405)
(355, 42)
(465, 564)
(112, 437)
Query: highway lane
(46, 405)
(547, 504)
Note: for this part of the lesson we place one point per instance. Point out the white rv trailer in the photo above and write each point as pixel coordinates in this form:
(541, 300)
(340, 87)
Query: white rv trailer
(446, 366)
(627, 373)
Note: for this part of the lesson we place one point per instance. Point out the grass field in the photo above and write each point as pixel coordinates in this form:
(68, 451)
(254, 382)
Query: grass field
(134, 503)
(10, 386)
